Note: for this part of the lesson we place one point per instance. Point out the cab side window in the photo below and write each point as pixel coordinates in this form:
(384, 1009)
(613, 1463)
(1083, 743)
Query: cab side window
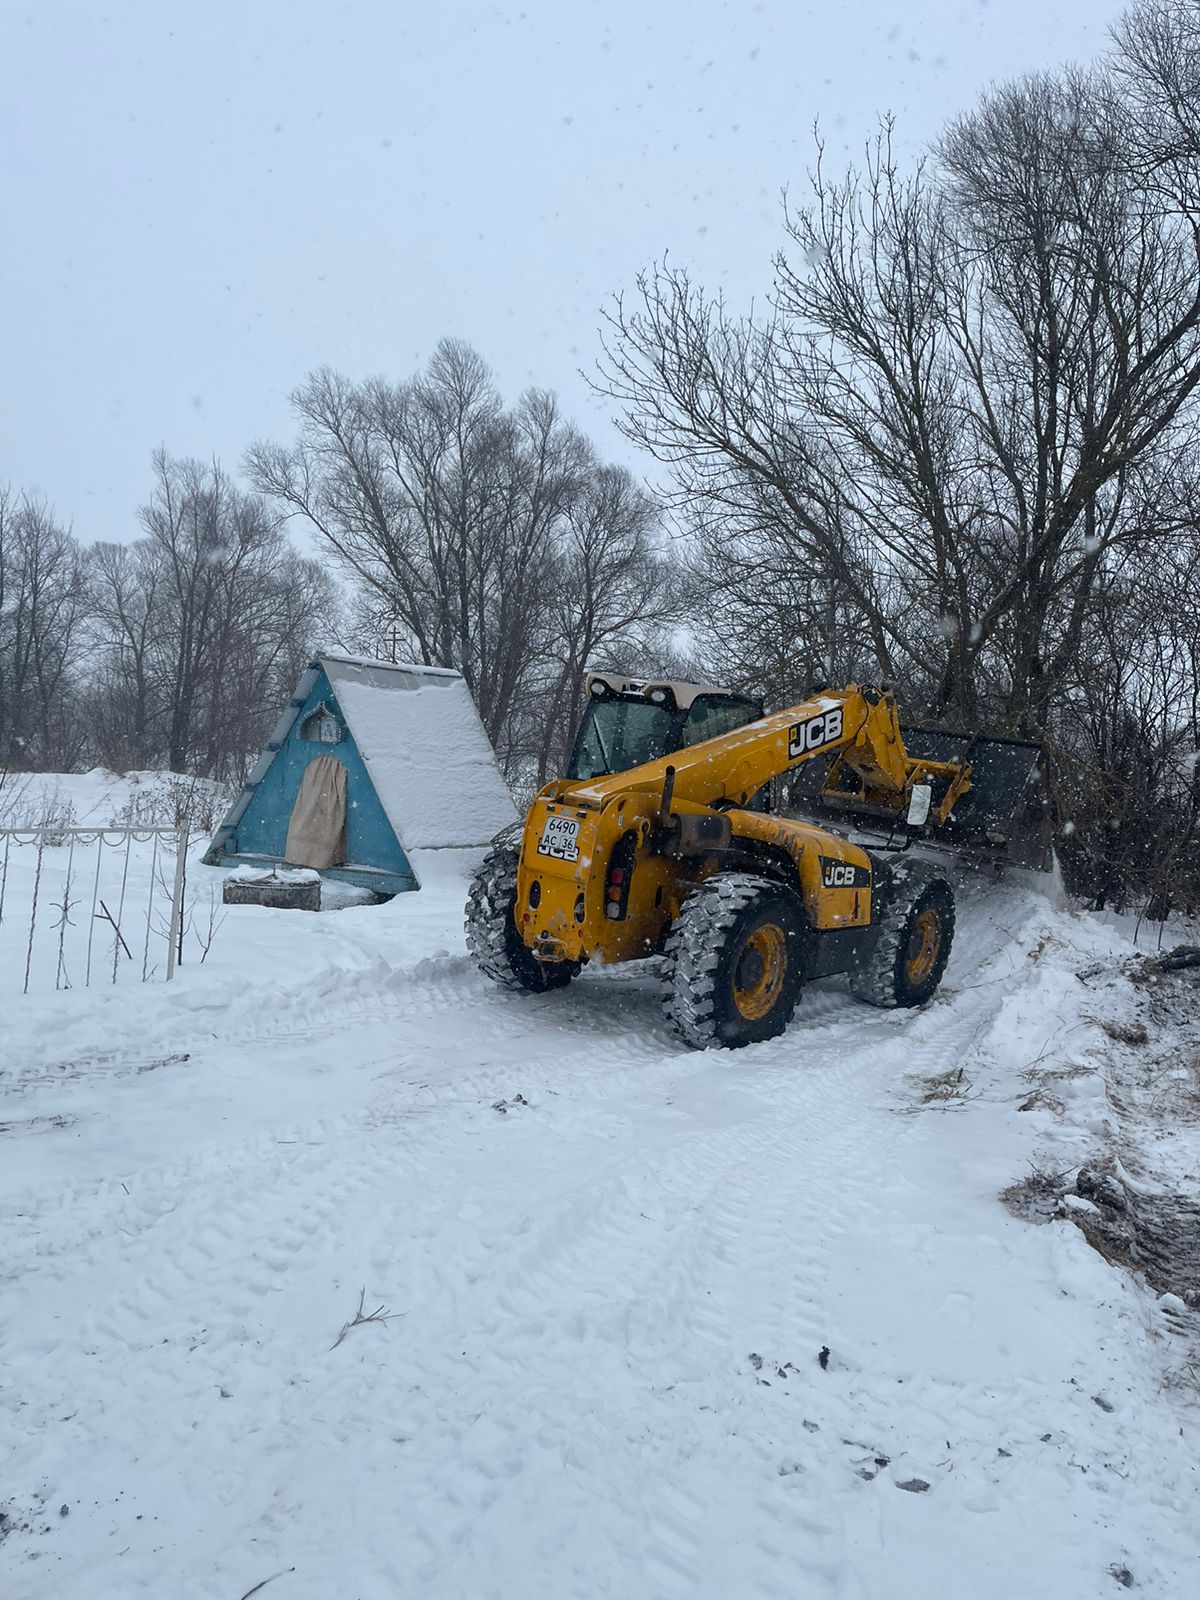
(714, 714)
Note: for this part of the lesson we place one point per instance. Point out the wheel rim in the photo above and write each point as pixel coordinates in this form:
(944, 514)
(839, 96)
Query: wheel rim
(761, 969)
(924, 946)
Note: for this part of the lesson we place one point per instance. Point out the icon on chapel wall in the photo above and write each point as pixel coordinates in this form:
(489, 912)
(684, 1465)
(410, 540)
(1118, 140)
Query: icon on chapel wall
(322, 726)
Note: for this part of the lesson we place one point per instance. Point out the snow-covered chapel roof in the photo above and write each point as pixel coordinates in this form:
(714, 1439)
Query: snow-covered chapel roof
(422, 741)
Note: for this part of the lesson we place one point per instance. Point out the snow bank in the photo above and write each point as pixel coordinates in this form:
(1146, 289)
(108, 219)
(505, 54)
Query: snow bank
(100, 798)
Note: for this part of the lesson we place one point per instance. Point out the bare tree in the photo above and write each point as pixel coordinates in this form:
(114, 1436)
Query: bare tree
(43, 603)
(1083, 366)
(125, 700)
(605, 593)
(1126, 733)
(202, 626)
(969, 382)
(1156, 97)
(492, 540)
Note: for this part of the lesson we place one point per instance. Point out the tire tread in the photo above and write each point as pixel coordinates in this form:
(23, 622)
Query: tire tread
(693, 953)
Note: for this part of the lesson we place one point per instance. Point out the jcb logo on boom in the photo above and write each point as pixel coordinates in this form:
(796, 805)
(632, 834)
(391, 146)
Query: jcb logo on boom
(814, 734)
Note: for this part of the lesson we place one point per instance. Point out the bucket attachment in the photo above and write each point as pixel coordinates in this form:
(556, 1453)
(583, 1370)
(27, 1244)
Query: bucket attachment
(1004, 814)
(1006, 808)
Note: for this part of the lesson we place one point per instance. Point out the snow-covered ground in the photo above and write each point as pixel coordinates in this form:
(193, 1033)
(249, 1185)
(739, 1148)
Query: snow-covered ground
(651, 1323)
(105, 799)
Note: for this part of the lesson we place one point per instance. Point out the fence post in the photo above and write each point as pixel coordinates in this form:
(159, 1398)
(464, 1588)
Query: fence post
(37, 879)
(176, 934)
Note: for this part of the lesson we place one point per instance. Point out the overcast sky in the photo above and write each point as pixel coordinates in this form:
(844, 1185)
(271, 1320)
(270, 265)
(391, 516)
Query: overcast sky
(200, 203)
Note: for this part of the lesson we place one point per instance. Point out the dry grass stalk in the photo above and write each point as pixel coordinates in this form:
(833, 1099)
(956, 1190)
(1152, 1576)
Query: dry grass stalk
(380, 1315)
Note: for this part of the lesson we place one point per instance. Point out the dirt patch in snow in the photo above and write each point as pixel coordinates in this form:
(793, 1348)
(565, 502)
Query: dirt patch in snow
(1037, 1197)
(1137, 1200)
(1157, 1235)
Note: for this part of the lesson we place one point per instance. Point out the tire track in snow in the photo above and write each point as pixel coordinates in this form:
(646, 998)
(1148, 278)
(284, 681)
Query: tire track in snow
(759, 1235)
(559, 1284)
(432, 985)
(654, 1307)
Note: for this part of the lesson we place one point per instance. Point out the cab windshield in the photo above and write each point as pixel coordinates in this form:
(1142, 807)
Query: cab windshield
(618, 734)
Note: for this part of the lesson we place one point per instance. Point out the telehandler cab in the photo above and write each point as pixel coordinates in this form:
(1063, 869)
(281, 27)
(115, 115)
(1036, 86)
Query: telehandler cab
(662, 838)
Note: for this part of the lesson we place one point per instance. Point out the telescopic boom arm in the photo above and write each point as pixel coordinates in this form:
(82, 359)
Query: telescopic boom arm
(872, 771)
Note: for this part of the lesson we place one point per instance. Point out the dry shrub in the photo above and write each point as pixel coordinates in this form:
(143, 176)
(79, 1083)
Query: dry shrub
(1036, 1197)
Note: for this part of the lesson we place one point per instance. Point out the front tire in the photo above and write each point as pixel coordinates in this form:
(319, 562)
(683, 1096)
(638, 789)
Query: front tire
(904, 954)
(492, 936)
(734, 962)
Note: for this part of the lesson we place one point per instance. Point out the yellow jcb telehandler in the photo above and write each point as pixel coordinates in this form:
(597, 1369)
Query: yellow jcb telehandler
(665, 838)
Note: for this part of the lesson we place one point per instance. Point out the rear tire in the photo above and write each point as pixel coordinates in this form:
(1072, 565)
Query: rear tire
(904, 954)
(734, 962)
(492, 936)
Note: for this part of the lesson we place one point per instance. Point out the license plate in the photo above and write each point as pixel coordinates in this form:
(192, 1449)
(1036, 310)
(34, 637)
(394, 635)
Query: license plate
(560, 839)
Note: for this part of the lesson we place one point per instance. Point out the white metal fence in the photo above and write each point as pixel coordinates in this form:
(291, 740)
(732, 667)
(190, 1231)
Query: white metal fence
(87, 906)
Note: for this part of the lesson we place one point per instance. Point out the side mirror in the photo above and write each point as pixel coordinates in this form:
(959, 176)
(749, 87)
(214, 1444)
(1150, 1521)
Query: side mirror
(918, 805)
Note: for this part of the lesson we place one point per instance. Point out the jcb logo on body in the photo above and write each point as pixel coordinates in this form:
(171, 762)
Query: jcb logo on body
(844, 874)
(818, 731)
